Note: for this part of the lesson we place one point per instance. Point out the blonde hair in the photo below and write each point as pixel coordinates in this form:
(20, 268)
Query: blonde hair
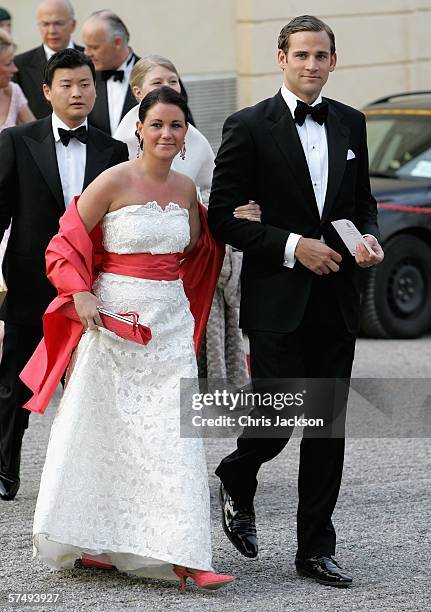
(145, 65)
(6, 41)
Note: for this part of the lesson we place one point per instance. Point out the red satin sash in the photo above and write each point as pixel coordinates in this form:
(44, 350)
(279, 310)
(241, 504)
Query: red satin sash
(142, 265)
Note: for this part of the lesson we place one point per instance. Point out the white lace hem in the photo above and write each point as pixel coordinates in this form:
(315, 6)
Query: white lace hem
(59, 555)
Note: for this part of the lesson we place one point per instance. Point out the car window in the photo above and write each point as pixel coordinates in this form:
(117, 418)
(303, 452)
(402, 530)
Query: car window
(400, 145)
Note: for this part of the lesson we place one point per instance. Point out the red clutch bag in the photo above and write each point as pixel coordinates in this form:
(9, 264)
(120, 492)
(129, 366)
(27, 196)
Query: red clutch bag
(126, 325)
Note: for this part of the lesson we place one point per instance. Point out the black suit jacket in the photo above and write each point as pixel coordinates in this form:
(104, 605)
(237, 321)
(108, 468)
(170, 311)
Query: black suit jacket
(99, 116)
(31, 196)
(261, 158)
(31, 68)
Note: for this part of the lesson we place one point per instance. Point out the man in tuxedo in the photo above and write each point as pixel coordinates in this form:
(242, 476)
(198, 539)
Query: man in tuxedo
(44, 164)
(106, 40)
(304, 160)
(56, 22)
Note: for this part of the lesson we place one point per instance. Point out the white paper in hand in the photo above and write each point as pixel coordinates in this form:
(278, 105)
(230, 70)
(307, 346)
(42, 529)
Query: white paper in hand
(350, 235)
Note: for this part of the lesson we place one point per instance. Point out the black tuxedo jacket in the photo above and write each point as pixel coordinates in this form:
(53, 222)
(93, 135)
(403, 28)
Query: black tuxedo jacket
(31, 68)
(261, 158)
(31, 196)
(99, 116)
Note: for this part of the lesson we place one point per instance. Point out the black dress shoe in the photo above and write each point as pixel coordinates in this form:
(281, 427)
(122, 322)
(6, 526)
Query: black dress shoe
(239, 524)
(324, 570)
(8, 488)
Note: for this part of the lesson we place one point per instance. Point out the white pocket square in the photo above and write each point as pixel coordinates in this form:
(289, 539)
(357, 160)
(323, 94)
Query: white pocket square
(350, 155)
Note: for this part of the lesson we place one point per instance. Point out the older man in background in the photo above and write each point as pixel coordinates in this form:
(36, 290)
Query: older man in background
(106, 40)
(56, 21)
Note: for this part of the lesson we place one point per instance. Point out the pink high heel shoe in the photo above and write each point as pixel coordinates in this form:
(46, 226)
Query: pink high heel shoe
(99, 561)
(205, 580)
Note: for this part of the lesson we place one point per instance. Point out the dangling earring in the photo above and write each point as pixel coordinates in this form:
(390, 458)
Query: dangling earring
(140, 145)
(183, 152)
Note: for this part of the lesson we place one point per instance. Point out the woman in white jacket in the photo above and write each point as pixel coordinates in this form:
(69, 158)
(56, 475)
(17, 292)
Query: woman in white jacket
(150, 73)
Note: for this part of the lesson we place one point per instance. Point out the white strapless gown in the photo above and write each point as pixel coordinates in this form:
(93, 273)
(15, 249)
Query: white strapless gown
(118, 479)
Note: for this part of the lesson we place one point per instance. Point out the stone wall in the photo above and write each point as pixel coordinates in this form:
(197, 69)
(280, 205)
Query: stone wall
(383, 46)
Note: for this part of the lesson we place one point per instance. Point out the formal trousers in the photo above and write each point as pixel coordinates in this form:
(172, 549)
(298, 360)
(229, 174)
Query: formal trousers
(321, 347)
(19, 344)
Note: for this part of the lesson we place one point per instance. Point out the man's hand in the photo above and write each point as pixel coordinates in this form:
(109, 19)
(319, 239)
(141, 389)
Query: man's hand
(85, 305)
(317, 256)
(363, 258)
(250, 212)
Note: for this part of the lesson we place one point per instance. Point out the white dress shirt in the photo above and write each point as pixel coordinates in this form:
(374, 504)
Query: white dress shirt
(49, 52)
(116, 92)
(315, 145)
(71, 161)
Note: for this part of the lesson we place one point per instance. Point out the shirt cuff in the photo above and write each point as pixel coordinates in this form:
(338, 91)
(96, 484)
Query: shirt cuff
(289, 250)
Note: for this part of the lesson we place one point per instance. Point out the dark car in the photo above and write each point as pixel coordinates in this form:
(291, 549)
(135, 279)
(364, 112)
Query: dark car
(396, 300)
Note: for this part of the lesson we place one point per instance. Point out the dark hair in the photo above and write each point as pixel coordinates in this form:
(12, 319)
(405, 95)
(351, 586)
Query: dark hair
(304, 23)
(67, 58)
(163, 95)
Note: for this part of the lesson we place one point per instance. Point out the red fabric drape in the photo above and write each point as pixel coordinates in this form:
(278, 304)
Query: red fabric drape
(72, 260)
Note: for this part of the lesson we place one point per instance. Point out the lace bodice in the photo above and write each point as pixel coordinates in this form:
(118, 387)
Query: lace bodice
(146, 228)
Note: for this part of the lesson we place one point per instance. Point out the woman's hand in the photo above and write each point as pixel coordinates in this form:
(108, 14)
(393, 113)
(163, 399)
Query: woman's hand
(86, 306)
(249, 212)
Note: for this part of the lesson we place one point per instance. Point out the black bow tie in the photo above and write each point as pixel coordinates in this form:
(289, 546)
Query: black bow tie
(319, 112)
(117, 74)
(80, 134)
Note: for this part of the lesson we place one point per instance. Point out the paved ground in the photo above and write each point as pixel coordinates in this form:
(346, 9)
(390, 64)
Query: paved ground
(382, 518)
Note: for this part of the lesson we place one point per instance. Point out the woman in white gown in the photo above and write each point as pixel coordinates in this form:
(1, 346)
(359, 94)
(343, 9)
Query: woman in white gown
(223, 353)
(119, 484)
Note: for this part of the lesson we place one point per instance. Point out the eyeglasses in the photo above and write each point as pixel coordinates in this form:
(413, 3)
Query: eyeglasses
(61, 23)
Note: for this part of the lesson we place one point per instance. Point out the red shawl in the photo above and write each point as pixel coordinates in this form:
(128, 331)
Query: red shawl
(72, 258)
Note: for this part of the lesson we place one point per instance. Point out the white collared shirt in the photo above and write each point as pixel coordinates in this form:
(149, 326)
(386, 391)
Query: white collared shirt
(49, 52)
(116, 92)
(314, 142)
(71, 161)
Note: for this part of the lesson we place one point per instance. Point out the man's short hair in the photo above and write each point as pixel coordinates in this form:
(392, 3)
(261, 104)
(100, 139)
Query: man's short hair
(67, 58)
(67, 5)
(116, 26)
(304, 23)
